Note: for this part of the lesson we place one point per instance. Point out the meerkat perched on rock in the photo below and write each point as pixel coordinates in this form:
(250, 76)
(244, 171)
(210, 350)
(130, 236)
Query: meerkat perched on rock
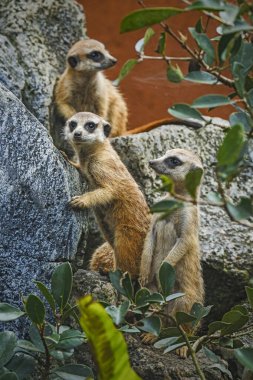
(84, 87)
(174, 238)
(119, 205)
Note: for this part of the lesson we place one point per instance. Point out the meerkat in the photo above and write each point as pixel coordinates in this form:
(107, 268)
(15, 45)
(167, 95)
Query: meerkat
(119, 205)
(84, 87)
(174, 239)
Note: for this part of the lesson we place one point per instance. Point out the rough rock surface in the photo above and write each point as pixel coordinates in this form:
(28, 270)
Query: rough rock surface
(35, 37)
(38, 229)
(227, 246)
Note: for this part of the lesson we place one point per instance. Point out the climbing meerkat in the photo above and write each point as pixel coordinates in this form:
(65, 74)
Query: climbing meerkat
(174, 238)
(119, 205)
(84, 87)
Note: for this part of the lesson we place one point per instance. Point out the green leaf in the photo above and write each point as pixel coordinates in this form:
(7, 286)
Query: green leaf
(151, 325)
(232, 146)
(244, 210)
(184, 112)
(61, 284)
(74, 372)
(236, 319)
(212, 5)
(205, 44)
(167, 342)
(46, 293)
(223, 369)
(139, 46)
(174, 73)
(166, 206)
(249, 97)
(161, 47)
(168, 184)
(245, 357)
(199, 312)
(9, 376)
(70, 339)
(210, 101)
(141, 297)
(107, 343)
(28, 346)
(243, 56)
(118, 313)
(115, 278)
(201, 77)
(239, 26)
(199, 26)
(23, 365)
(128, 329)
(128, 286)
(167, 278)
(174, 347)
(249, 292)
(156, 298)
(225, 45)
(192, 181)
(213, 196)
(170, 332)
(9, 313)
(216, 326)
(174, 296)
(8, 342)
(125, 70)
(242, 309)
(239, 75)
(61, 355)
(146, 17)
(35, 338)
(241, 118)
(211, 355)
(229, 14)
(183, 318)
(35, 309)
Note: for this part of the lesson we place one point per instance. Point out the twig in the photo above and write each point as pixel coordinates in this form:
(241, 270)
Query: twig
(143, 56)
(47, 364)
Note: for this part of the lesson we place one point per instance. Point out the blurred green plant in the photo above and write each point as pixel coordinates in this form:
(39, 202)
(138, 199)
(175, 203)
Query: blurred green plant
(229, 50)
(49, 343)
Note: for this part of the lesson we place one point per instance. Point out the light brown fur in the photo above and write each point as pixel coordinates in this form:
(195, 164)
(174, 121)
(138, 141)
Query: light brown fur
(84, 87)
(119, 205)
(174, 239)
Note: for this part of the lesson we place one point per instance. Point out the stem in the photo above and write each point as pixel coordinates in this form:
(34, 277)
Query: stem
(166, 58)
(192, 353)
(47, 364)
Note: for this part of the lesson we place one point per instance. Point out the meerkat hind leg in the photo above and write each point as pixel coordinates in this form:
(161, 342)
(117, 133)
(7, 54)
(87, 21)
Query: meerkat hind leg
(103, 259)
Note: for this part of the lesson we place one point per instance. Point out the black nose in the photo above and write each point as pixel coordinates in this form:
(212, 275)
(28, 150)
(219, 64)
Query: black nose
(113, 61)
(77, 135)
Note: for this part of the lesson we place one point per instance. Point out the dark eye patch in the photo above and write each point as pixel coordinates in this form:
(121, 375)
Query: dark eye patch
(96, 56)
(73, 61)
(90, 126)
(72, 125)
(173, 161)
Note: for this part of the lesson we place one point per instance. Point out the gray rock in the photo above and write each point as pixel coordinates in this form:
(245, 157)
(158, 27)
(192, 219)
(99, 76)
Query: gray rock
(38, 229)
(227, 246)
(37, 38)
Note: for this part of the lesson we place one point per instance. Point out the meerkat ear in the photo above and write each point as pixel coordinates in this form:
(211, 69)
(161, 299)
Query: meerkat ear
(107, 129)
(73, 61)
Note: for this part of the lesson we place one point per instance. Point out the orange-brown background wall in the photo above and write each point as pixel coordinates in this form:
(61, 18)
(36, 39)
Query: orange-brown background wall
(147, 91)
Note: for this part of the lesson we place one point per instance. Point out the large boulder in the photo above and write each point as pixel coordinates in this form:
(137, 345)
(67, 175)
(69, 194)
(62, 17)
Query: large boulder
(226, 246)
(35, 37)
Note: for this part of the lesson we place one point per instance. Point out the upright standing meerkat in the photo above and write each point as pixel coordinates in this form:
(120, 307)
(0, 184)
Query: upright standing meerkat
(84, 87)
(174, 239)
(119, 205)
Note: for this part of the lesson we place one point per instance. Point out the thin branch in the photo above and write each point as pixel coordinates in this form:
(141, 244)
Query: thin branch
(210, 15)
(47, 355)
(143, 56)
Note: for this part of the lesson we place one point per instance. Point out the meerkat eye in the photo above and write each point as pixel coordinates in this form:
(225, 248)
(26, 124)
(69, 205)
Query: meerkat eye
(172, 162)
(96, 56)
(72, 125)
(90, 126)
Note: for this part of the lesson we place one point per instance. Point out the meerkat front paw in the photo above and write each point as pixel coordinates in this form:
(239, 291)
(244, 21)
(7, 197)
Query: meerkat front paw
(148, 338)
(78, 202)
(182, 352)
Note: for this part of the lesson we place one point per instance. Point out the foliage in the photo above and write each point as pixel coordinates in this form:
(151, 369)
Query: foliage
(53, 341)
(229, 49)
(139, 311)
(108, 344)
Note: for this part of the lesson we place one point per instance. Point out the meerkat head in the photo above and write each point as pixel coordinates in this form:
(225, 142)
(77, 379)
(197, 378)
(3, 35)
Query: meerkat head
(176, 163)
(89, 55)
(86, 128)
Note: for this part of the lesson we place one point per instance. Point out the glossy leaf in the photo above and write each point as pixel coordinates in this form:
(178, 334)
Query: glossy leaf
(174, 296)
(229, 14)
(115, 278)
(223, 369)
(35, 309)
(146, 17)
(236, 319)
(173, 347)
(161, 46)
(225, 45)
(249, 292)
(244, 55)
(23, 365)
(156, 298)
(205, 44)
(74, 372)
(167, 278)
(243, 210)
(8, 342)
(201, 77)
(129, 329)
(232, 146)
(70, 339)
(199, 312)
(125, 70)
(185, 112)
(106, 341)
(192, 181)
(61, 355)
(28, 346)
(35, 338)
(213, 196)
(212, 5)
(166, 206)
(216, 326)
(241, 118)
(210, 101)
(166, 342)
(46, 293)
(9, 376)
(141, 297)
(139, 46)
(239, 26)
(183, 318)
(118, 313)
(61, 284)
(128, 286)
(151, 325)
(174, 73)
(9, 312)
(170, 332)
(245, 357)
